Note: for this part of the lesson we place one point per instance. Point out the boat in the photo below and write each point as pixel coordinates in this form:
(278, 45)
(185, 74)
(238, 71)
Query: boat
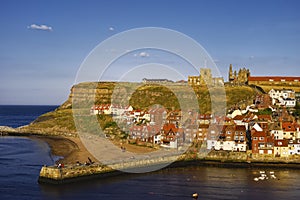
(195, 196)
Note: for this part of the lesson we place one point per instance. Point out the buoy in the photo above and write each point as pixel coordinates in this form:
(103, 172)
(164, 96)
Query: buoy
(195, 196)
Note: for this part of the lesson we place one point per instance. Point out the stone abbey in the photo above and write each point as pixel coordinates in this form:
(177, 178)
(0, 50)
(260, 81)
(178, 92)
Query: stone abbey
(241, 77)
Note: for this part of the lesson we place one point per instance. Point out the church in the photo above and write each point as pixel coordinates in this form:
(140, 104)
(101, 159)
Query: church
(205, 78)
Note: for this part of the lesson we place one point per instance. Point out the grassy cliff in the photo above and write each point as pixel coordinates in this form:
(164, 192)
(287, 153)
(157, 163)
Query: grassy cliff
(60, 121)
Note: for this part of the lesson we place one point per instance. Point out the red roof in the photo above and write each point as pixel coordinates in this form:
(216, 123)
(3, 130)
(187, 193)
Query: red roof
(239, 117)
(258, 133)
(288, 126)
(274, 78)
(240, 128)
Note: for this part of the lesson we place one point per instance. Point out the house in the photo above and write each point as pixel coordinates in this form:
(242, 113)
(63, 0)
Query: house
(202, 132)
(276, 131)
(157, 138)
(294, 147)
(232, 138)
(224, 145)
(261, 142)
(204, 119)
(143, 133)
(285, 93)
(110, 109)
(190, 132)
(213, 134)
(174, 117)
(281, 148)
(101, 109)
(158, 116)
(289, 130)
(284, 97)
(118, 110)
(239, 120)
(172, 136)
(240, 133)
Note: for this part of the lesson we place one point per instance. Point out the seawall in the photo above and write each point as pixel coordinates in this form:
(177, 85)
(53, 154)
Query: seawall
(54, 175)
(71, 173)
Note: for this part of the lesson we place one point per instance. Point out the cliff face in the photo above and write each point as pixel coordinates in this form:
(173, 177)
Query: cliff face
(84, 95)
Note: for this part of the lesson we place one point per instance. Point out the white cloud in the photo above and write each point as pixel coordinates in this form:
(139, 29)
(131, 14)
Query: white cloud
(40, 27)
(111, 28)
(144, 54)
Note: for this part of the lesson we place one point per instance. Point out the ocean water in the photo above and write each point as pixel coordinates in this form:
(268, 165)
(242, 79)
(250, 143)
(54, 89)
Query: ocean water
(21, 159)
(16, 115)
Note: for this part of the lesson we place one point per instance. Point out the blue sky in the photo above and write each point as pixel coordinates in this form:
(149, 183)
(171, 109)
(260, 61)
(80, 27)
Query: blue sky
(39, 63)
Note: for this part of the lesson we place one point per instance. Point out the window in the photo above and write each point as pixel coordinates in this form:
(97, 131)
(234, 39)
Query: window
(254, 138)
(241, 133)
(261, 138)
(279, 143)
(270, 152)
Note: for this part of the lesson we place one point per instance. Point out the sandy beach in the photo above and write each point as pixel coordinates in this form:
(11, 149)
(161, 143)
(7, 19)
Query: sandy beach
(73, 150)
(70, 148)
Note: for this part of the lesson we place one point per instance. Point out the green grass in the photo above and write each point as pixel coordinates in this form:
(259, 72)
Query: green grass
(142, 97)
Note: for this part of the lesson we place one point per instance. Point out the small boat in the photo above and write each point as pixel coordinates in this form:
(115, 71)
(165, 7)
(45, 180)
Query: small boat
(263, 175)
(256, 179)
(262, 172)
(273, 176)
(195, 196)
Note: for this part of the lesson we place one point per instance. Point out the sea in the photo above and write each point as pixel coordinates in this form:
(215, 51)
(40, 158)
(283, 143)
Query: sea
(21, 159)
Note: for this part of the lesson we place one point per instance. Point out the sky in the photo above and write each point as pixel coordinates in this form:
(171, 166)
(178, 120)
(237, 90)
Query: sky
(44, 43)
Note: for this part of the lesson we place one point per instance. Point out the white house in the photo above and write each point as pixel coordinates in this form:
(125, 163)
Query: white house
(225, 145)
(283, 97)
(157, 138)
(294, 147)
(210, 143)
(231, 146)
(278, 134)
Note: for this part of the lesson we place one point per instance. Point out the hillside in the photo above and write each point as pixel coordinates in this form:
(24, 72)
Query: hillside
(60, 121)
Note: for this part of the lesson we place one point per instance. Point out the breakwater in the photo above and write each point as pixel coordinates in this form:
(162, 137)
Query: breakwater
(74, 173)
(71, 173)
